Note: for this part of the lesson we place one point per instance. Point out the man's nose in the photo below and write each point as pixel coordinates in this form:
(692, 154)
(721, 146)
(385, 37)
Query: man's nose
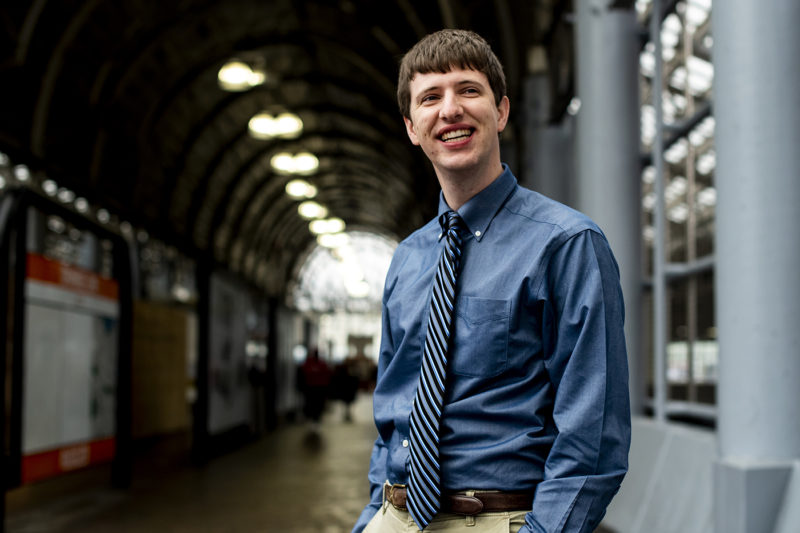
(451, 107)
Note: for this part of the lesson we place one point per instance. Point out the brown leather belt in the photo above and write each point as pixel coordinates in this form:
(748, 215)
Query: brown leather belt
(467, 505)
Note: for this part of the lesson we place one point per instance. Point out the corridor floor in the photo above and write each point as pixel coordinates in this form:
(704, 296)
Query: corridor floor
(290, 481)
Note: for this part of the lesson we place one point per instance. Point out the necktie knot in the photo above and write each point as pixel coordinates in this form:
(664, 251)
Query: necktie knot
(451, 223)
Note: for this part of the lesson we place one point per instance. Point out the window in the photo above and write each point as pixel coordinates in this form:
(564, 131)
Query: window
(678, 208)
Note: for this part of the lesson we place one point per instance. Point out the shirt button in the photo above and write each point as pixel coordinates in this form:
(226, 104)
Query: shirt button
(405, 443)
(477, 233)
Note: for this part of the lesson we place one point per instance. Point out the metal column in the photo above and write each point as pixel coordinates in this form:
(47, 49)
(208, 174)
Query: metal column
(548, 154)
(757, 108)
(608, 185)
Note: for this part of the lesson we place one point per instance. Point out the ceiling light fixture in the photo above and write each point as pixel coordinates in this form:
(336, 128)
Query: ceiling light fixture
(265, 126)
(236, 76)
(65, 195)
(22, 173)
(288, 125)
(312, 210)
(50, 187)
(299, 189)
(326, 225)
(304, 163)
(282, 163)
(81, 205)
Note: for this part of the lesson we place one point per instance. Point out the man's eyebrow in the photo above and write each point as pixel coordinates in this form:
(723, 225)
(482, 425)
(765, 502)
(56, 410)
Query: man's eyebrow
(465, 81)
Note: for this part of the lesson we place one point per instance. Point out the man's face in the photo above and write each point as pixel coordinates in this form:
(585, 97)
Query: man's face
(455, 121)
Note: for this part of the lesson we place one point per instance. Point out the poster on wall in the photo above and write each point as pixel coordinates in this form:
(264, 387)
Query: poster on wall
(228, 385)
(69, 376)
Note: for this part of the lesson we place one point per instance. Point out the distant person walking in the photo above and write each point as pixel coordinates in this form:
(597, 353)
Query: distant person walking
(345, 384)
(314, 380)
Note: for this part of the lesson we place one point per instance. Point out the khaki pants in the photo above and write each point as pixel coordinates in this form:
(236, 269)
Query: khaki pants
(391, 520)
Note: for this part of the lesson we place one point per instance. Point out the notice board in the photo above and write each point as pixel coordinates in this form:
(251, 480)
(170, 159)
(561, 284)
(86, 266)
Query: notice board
(69, 368)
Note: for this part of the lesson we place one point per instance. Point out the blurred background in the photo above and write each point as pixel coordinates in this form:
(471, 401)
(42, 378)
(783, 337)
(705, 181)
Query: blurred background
(199, 197)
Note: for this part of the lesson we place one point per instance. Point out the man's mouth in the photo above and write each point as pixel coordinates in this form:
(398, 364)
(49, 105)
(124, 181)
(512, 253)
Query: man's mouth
(456, 135)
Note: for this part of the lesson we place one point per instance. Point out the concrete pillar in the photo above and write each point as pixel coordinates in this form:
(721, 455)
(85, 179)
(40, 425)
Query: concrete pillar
(608, 185)
(549, 149)
(757, 109)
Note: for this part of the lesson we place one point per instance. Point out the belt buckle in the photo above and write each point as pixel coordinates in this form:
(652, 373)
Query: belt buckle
(466, 504)
(390, 497)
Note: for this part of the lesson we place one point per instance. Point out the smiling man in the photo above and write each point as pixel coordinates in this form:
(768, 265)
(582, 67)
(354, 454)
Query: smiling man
(502, 397)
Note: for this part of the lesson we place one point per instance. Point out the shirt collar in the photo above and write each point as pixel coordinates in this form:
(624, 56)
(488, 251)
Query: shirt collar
(479, 210)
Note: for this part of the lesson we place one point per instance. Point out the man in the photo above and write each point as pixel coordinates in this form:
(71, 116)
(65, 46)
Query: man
(528, 428)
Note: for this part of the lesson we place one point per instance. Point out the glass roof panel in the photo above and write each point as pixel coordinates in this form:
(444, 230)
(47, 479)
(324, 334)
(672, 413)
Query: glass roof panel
(349, 277)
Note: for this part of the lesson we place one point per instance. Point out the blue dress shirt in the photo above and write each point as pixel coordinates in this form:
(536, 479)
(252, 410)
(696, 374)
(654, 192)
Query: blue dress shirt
(537, 387)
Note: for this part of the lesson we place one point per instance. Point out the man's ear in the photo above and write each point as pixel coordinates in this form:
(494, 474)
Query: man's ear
(503, 110)
(410, 130)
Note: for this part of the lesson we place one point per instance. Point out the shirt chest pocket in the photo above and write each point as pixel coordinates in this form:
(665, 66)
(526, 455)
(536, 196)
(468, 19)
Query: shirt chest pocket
(480, 343)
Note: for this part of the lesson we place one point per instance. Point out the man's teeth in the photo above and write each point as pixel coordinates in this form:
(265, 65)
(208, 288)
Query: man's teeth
(455, 134)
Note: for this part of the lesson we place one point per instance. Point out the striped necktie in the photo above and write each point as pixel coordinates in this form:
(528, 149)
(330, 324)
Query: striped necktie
(423, 485)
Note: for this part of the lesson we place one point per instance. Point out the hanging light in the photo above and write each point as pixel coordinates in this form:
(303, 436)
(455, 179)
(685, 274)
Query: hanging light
(261, 126)
(65, 195)
(22, 173)
(236, 75)
(50, 187)
(81, 205)
(312, 210)
(266, 126)
(288, 125)
(300, 189)
(283, 163)
(326, 225)
(304, 163)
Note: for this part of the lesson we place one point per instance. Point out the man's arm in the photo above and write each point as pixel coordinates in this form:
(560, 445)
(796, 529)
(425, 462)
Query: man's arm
(377, 464)
(586, 361)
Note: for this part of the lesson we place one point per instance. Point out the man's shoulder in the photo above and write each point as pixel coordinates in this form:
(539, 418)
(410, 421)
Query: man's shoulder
(422, 236)
(531, 207)
(417, 242)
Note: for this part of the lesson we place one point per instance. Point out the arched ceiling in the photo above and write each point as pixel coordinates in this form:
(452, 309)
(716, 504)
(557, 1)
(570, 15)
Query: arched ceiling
(119, 101)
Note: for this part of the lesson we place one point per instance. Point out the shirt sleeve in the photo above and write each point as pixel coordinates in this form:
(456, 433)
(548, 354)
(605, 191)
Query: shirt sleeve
(586, 361)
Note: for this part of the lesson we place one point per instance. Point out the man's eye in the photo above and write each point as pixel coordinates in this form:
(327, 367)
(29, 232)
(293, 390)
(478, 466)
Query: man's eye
(470, 90)
(428, 98)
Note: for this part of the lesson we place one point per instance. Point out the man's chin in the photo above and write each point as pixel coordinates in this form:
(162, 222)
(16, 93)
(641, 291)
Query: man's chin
(456, 163)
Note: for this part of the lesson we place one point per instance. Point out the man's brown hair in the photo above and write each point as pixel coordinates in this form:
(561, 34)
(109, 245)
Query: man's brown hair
(444, 51)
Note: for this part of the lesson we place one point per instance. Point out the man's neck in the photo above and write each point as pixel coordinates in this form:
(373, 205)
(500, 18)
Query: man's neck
(459, 187)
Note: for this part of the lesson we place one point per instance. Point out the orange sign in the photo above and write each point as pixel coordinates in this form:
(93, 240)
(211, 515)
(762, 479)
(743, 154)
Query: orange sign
(69, 277)
(43, 465)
